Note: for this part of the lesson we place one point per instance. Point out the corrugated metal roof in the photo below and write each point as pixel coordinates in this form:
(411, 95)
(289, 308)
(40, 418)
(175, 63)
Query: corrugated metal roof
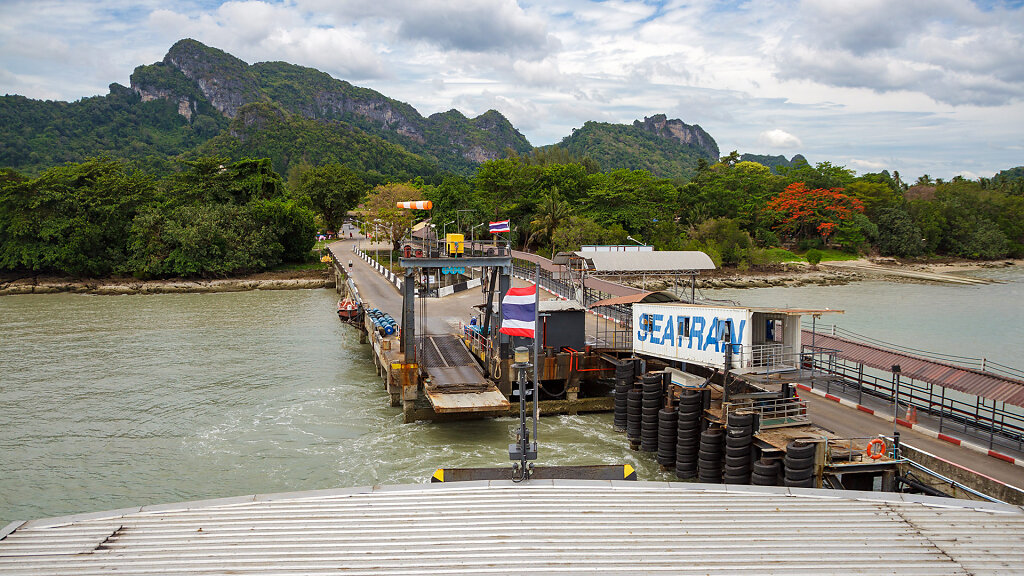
(663, 296)
(540, 527)
(664, 261)
(975, 382)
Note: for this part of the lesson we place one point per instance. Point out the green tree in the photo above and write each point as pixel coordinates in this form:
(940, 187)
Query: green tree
(551, 213)
(380, 209)
(72, 219)
(898, 234)
(334, 190)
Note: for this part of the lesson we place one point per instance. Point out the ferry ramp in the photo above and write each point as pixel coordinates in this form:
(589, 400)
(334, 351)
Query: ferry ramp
(454, 380)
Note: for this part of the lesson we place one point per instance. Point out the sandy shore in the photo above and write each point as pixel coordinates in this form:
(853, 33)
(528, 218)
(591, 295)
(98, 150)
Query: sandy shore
(800, 274)
(792, 274)
(285, 280)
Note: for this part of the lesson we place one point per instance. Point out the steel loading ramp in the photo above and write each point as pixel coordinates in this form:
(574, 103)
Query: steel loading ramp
(455, 382)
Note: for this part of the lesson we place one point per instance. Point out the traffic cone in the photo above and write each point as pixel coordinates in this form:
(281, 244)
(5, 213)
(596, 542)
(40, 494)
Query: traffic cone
(912, 414)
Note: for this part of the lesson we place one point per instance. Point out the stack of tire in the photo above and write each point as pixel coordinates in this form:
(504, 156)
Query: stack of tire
(709, 458)
(634, 404)
(652, 401)
(765, 473)
(623, 384)
(739, 437)
(691, 408)
(799, 464)
(667, 431)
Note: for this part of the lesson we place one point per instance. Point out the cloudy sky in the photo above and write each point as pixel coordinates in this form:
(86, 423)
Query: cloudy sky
(919, 86)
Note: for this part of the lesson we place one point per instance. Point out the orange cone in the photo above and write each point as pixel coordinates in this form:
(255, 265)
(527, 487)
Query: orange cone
(912, 414)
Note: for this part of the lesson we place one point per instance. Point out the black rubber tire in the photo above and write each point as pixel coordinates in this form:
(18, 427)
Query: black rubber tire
(686, 473)
(740, 431)
(808, 483)
(739, 450)
(691, 401)
(688, 422)
(738, 443)
(742, 479)
(766, 468)
(761, 480)
(712, 438)
(798, 449)
(703, 462)
(740, 420)
(687, 413)
(797, 475)
(799, 463)
(742, 469)
(737, 460)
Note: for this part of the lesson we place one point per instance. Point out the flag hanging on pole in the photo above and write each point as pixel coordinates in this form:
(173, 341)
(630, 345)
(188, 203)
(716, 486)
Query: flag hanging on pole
(502, 226)
(519, 312)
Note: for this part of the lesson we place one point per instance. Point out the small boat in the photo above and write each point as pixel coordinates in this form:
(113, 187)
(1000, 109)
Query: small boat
(348, 309)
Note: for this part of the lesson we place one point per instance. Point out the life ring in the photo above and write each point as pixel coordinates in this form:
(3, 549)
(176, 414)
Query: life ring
(870, 451)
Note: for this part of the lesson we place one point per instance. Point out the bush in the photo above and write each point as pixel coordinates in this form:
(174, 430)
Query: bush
(814, 256)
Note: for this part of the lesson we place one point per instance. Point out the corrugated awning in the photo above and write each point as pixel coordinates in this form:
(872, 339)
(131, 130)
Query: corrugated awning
(663, 296)
(664, 262)
(975, 382)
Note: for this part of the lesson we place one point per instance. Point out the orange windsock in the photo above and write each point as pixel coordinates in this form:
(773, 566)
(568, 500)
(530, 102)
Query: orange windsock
(415, 205)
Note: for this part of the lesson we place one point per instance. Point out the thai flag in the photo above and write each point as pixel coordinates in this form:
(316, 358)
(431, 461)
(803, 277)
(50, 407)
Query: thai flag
(502, 226)
(519, 311)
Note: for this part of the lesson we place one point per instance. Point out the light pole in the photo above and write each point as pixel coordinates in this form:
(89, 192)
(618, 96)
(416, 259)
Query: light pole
(523, 450)
(472, 242)
(444, 232)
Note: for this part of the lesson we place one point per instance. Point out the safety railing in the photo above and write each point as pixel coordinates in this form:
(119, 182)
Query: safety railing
(859, 449)
(772, 412)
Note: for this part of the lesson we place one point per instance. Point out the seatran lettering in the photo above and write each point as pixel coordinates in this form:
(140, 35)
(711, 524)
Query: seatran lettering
(662, 330)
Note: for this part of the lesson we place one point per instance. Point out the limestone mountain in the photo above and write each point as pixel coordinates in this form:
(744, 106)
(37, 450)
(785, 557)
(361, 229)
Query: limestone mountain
(450, 139)
(666, 148)
(176, 105)
(774, 162)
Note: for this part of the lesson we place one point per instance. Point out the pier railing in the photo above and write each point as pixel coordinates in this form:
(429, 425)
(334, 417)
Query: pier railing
(773, 412)
(975, 363)
(990, 421)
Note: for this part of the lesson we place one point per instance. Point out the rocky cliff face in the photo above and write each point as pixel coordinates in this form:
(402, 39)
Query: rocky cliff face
(681, 132)
(225, 81)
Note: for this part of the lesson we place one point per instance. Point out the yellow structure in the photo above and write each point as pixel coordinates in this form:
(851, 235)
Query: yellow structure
(455, 244)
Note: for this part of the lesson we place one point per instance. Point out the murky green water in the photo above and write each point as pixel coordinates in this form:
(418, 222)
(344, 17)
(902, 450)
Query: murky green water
(117, 401)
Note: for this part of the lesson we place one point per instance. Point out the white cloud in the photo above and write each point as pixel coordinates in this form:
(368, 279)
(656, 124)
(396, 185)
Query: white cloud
(778, 138)
(932, 86)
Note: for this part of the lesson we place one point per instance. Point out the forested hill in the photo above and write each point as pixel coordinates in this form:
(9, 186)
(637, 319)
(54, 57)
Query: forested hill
(180, 103)
(665, 148)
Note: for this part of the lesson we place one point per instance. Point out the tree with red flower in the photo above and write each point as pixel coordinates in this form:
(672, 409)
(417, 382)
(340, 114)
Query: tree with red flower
(800, 212)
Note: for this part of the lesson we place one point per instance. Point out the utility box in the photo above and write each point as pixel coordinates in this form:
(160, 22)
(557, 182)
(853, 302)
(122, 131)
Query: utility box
(564, 325)
(455, 244)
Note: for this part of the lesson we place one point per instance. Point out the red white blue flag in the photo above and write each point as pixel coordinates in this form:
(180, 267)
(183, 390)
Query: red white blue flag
(502, 226)
(519, 311)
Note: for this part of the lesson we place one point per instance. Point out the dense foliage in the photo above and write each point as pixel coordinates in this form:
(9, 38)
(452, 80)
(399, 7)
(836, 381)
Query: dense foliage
(734, 210)
(103, 217)
(36, 135)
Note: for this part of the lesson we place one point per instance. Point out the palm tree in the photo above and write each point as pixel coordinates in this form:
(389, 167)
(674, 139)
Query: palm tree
(550, 215)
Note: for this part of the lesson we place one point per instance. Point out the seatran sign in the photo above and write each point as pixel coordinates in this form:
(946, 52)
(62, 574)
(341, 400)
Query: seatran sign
(697, 334)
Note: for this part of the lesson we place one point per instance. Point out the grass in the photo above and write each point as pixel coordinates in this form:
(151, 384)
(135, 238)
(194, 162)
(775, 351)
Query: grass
(781, 255)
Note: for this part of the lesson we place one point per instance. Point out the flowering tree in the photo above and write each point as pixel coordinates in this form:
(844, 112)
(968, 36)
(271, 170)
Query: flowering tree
(799, 212)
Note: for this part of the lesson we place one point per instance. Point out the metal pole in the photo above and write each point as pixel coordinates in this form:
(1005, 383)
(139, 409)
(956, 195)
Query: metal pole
(536, 353)
(942, 407)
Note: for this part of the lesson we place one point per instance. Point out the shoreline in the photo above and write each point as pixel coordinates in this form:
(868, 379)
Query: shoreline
(791, 274)
(282, 280)
(802, 274)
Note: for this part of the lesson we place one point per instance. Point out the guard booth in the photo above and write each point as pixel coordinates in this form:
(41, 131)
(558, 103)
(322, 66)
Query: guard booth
(755, 340)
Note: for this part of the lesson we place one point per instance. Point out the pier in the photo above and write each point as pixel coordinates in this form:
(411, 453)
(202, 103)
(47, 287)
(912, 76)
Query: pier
(454, 357)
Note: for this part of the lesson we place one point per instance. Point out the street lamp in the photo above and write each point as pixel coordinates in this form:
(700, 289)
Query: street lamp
(472, 242)
(635, 240)
(444, 232)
